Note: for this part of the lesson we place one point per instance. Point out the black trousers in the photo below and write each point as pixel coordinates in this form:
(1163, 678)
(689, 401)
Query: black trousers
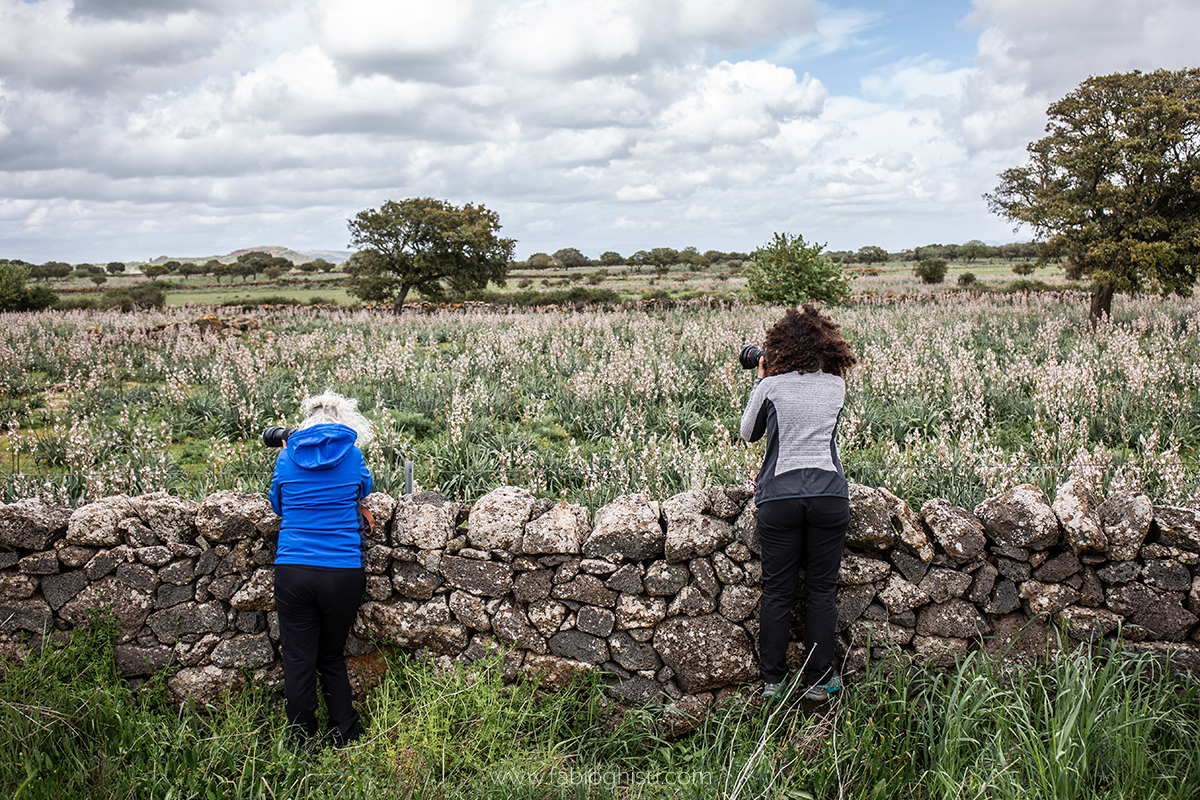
(808, 533)
(316, 607)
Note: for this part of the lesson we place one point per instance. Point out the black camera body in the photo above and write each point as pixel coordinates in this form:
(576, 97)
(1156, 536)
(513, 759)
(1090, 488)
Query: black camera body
(750, 356)
(275, 436)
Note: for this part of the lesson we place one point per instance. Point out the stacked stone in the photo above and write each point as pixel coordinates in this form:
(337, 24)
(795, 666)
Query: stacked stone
(661, 597)
(188, 584)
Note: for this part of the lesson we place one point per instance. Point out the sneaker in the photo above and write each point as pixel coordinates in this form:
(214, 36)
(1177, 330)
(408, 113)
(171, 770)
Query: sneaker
(820, 692)
(816, 694)
(772, 691)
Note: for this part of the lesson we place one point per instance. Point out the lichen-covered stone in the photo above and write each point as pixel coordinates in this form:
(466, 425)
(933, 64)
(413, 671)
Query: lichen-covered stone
(228, 516)
(663, 579)
(547, 616)
(899, 595)
(245, 652)
(485, 578)
(586, 589)
(498, 519)
(510, 624)
(426, 522)
(631, 654)
(1125, 519)
(60, 589)
(15, 586)
(552, 672)
(1178, 527)
(411, 580)
(562, 529)
(627, 579)
(187, 619)
(628, 528)
(856, 568)
(634, 611)
(1168, 575)
(982, 583)
(852, 601)
(1088, 623)
(870, 519)
(579, 646)
(1076, 512)
(745, 529)
(134, 660)
(206, 686)
(705, 652)
(410, 624)
(738, 602)
(33, 524)
(95, 525)
(1021, 517)
(942, 584)
(865, 633)
(691, 533)
(957, 531)
(533, 585)
(597, 621)
(382, 507)
(1058, 568)
(909, 530)
(129, 606)
(470, 610)
(956, 619)
(168, 517)
(1042, 598)
(256, 594)
(31, 614)
(692, 602)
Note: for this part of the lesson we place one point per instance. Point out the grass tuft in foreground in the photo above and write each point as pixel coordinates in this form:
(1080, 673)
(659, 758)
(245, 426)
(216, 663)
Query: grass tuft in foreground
(1090, 724)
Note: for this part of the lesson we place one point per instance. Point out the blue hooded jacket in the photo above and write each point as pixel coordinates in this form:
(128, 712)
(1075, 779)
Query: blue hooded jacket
(319, 478)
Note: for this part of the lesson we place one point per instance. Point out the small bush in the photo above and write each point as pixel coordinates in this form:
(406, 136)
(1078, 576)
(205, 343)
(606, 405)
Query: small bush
(1026, 285)
(146, 295)
(967, 279)
(1024, 268)
(931, 270)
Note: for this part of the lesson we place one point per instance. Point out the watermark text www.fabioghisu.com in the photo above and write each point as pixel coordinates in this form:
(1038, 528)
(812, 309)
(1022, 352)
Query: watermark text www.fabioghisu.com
(608, 778)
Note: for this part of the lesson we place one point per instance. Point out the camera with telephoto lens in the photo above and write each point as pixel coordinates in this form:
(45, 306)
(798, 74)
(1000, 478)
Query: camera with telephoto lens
(275, 436)
(750, 356)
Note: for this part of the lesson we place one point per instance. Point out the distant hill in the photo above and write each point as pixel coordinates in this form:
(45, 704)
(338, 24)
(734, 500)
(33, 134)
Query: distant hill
(296, 257)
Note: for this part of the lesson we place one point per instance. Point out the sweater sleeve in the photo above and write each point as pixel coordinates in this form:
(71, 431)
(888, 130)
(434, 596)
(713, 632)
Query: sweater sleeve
(754, 418)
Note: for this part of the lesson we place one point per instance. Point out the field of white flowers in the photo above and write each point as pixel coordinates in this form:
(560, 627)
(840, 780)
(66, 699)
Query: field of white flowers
(957, 396)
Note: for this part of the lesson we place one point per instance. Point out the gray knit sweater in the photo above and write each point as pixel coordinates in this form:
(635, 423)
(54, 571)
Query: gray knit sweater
(799, 414)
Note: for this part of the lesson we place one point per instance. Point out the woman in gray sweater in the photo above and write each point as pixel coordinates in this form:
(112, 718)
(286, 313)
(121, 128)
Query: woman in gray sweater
(801, 492)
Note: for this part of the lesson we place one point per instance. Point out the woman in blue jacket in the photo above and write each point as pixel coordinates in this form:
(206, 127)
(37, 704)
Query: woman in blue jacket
(320, 477)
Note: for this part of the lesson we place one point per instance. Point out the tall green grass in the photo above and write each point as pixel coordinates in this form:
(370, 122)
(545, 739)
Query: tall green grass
(1096, 723)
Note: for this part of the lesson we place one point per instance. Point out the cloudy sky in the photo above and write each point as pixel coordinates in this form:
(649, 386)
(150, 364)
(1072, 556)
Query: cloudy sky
(136, 128)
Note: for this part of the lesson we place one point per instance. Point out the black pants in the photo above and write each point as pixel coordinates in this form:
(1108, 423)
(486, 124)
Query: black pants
(806, 532)
(316, 607)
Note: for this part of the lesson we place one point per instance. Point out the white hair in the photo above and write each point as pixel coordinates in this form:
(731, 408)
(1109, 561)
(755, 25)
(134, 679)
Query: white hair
(331, 408)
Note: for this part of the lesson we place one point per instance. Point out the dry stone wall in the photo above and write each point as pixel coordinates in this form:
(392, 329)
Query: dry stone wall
(660, 596)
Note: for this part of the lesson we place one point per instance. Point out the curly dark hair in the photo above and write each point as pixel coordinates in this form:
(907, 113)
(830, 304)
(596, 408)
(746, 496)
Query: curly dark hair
(806, 341)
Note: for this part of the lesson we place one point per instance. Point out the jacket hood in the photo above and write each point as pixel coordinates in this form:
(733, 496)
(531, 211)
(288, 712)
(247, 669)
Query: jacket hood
(321, 446)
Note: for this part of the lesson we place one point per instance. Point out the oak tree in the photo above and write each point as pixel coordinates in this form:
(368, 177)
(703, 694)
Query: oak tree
(428, 245)
(1114, 186)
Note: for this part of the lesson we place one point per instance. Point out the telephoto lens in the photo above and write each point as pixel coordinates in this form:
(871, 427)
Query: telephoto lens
(275, 436)
(750, 356)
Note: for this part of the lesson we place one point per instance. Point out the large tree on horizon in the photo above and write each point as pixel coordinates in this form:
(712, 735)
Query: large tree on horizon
(420, 243)
(1114, 186)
